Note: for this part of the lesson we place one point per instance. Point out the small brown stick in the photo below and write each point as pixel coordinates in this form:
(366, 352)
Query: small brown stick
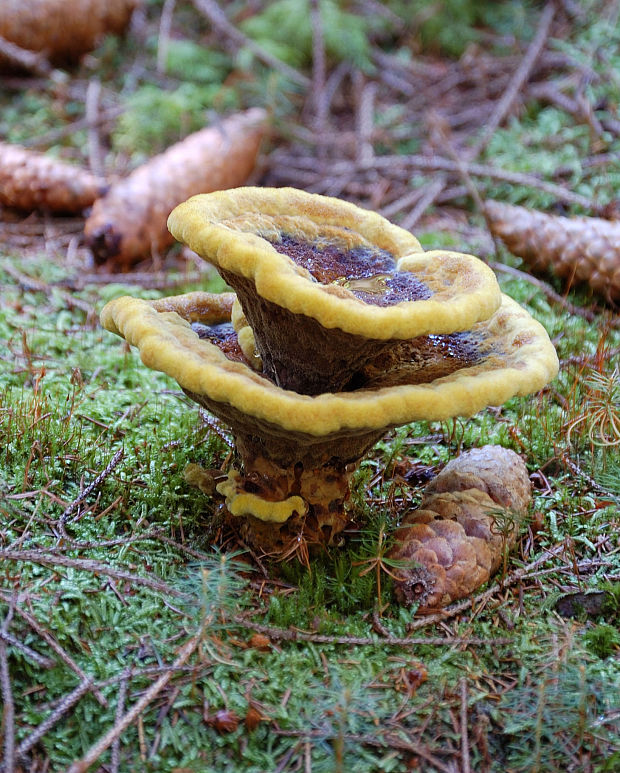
(92, 486)
(406, 200)
(580, 108)
(13, 641)
(587, 314)
(518, 80)
(428, 197)
(88, 565)
(120, 708)
(147, 280)
(53, 644)
(54, 135)
(65, 704)
(576, 470)
(364, 123)
(437, 163)
(293, 634)
(465, 765)
(318, 78)
(36, 285)
(165, 25)
(390, 740)
(220, 21)
(8, 712)
(584, 359)
(95, 157)
(501, 111)
(97, 749)
(29, 60)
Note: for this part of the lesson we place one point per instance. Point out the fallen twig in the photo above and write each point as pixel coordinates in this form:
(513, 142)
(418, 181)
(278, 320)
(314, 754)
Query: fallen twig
(294, 634)
(65, 704)
(32, 61)
(54, 135)
(165, 25)
(518, 80)
(112, 464)
(120, 708)
(465, 766)
(97, 749)
(8, 712)
(55, 646)
(578, 311)
(36, 285)
(388, 740)
(219, 20)
(405, 163)
(88, 565)
(95, 158)
(13, 641)
(500, 112)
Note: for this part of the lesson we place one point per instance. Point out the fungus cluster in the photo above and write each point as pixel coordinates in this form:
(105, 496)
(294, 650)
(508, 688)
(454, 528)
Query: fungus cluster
(341, 328)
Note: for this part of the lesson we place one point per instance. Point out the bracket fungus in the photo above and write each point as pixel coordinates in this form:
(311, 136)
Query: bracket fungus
(342, 328)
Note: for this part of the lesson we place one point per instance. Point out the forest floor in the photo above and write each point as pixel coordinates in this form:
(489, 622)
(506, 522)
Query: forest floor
(136, 635)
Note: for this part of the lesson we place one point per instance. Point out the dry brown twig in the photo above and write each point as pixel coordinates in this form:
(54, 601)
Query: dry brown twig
(500, 112)
(89, 565)
(37, 285)
(120, 710)
(165, 25)
(465, 762)
(519, 79)
(27, 651)
(121, 724)
(111, 466)
(577, 311)
(293, 634)
(66, 703)
(33, 61)
(54, 646)
(385, 739)
(8, 718)
(213, 12)
(318, 78)
(95, 154)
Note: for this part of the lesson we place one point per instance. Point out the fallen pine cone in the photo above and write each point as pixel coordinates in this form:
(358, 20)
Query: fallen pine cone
(457, 538)
(580, 249)
(34, 181)
(62, 29)
(129, 222)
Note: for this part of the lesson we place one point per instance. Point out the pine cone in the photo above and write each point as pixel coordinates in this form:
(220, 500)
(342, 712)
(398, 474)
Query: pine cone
(129, 222)
(62, 29)
(470, 514)
(30, 181)
(580, 249)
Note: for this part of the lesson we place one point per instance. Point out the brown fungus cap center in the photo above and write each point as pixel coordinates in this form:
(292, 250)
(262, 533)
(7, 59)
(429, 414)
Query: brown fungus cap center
(370, 274)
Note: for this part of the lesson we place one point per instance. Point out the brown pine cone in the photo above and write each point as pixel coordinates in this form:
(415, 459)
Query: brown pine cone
(62, 29)
(469, 517)
(579, 249)
(34, 181)
(129, 222)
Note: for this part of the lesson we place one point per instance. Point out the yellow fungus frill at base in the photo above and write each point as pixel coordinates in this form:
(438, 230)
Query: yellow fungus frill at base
(239, 502)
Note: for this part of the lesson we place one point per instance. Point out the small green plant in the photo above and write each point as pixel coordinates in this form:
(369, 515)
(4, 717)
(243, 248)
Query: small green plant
(603, 640)
(284, 28)
(155, 118)
(601, 410)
